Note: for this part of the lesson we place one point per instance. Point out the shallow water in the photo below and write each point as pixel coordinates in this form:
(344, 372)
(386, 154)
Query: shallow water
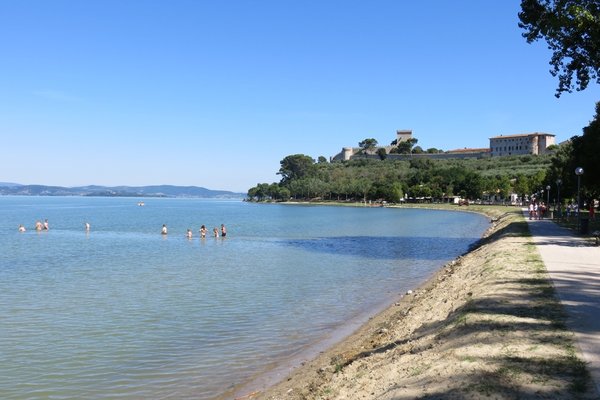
(123, 312)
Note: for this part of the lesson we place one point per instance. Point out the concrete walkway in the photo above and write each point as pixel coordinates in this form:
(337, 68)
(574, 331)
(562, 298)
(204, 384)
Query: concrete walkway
(573, 263)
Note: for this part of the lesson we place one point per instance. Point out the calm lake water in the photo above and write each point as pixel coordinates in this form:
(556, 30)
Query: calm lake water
(123, 312)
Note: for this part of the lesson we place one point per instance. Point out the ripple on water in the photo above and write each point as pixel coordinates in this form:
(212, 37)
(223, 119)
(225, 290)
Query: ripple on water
(121, 312)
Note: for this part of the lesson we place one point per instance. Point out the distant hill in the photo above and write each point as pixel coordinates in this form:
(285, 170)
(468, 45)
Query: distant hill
(9, 184)
(116, 191)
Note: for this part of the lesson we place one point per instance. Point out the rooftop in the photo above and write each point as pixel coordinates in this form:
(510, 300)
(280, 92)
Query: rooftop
(522, 135)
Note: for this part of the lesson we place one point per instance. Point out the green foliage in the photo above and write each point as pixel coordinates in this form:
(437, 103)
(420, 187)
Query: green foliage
(404, 147)
(296, 166)
(585, 154)
(390, 180)
(580, 151)
(368, 145)
(572, 31)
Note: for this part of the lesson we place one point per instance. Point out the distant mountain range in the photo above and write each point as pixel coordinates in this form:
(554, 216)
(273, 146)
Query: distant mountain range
(116, 191)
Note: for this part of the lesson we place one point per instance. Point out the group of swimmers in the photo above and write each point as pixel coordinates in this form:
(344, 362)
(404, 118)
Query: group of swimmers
(203, 231)
(39, 226)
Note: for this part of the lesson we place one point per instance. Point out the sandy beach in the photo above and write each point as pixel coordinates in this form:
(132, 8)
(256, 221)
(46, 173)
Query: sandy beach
(487, 325)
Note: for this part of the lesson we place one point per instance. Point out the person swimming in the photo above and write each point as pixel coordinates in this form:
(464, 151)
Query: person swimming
(22, 228)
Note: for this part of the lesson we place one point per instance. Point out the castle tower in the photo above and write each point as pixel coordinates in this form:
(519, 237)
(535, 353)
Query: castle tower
(347, 152)
(403, 135)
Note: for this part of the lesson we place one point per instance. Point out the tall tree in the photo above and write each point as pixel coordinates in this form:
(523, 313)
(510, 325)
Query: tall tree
(296, 166)
(406, 146)
(585, 154)
(572, 30)
(368, 145)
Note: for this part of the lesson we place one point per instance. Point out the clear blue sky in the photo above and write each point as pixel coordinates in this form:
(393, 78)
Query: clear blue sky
(216, 93)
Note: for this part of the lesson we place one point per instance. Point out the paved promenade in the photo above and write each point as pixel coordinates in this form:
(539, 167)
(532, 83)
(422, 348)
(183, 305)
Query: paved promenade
(574, 266)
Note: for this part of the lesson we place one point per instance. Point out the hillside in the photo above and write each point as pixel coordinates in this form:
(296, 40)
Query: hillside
(116, 191)
(393, 181)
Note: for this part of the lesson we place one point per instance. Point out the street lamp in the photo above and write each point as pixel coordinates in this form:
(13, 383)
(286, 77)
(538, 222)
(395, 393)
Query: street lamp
(578, 172)
(547, 198)
(540, 206)
(558, 183)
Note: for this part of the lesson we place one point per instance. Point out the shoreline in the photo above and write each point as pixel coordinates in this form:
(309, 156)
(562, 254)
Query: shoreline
(404, 351)
(272, 377)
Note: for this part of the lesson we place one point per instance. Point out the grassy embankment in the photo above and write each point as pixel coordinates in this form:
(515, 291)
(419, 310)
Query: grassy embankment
(488, 325)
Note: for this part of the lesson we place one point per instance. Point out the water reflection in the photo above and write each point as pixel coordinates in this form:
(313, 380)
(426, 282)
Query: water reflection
(386, 247)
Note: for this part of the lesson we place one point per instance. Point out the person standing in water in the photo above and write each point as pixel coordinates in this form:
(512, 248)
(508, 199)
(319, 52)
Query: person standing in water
(163, 231)
(223, 231)
(215, 232)
(203, 232)
(189, 234)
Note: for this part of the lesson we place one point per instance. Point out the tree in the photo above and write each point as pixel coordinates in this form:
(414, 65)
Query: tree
(260, 192)
(585, 154)
(420, 191)
(406, 146)
(367, 145)
(296, 166)
(322, 160)
(381, 153)
(572, 30)
(522, 186)
(562, 167)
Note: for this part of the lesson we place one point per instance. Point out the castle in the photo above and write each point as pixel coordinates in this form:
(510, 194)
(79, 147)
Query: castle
(530, 143)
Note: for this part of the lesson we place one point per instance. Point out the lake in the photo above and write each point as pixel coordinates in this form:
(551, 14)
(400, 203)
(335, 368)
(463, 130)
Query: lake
(124, 312)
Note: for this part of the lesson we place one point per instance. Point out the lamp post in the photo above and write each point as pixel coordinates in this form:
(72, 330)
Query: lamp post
(558, 183)
(547, 208)
(578, 172)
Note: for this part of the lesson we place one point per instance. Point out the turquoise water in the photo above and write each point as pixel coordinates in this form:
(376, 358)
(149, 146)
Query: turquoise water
(124, 312)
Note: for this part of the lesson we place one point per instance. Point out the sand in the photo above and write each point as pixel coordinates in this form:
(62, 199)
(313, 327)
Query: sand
(487, 325)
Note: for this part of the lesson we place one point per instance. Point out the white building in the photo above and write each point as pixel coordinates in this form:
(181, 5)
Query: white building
(531, 143)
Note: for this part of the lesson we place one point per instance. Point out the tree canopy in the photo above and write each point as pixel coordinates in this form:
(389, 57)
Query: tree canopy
(368, 145)
(572, 30)
(295, 166)
(585, 154)
(419, 179)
